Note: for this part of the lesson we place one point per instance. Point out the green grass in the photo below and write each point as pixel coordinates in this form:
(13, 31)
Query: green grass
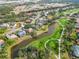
(56, 35)
(71, 11)
(64, 21)
(2, 30)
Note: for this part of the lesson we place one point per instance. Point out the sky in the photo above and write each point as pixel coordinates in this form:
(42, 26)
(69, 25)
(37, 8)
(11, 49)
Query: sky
(10, 1)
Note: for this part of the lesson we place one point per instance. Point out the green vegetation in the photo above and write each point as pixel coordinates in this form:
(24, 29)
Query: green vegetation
(2, 30)
(5, 10)
(52, 45)
(71, 11)
(39, 44)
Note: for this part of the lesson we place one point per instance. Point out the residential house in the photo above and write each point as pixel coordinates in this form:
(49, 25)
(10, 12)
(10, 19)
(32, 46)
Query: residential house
(30, 30)
(28, 21)
(1, 43)
(77, 20)
(17, 25)
(11, 36)
(77, 26)
(4, 25)
(41, 21)
(75, 50)
(21, 33)
(77, 41)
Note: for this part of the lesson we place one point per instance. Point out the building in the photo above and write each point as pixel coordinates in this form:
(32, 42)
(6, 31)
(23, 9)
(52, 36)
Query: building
(75, 51)
(77, 25)
(4, 25)
(30, 30)
(77, 20)
(77, 41)
(21, 33)
(41, 21)
(1, 43)
(28, 21)
(17, 25)
(11, 36)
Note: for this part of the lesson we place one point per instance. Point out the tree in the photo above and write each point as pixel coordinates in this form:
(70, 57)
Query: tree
(5, 10)
(28, 26)
(73, 35)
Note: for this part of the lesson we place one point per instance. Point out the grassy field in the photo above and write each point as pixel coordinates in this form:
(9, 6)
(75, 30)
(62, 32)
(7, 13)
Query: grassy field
(39, 44)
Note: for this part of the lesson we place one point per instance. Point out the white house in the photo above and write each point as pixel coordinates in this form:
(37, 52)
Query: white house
(11, 36)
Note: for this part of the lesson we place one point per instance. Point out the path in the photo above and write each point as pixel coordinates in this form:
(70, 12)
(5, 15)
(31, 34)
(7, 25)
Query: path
(57, 39)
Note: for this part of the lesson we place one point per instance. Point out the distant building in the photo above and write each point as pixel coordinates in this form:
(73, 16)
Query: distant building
(21, 33)
(11, 36)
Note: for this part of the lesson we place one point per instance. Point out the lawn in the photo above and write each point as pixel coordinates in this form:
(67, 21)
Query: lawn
(56, 35)
(71, 11)
(3, 30)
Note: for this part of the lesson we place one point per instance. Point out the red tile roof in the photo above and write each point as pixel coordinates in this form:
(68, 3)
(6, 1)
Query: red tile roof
(77, 30)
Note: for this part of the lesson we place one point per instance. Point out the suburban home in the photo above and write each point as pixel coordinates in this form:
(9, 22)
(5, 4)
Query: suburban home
(11, 24)
(1, 43)
(77, 41)
(77, 20)
(30, 30)
(28, 21)
(21, 33)
(4, 25)
(77, 30)
(41, 22)
(77, 25)
(75, 50)
(17, 25)
(29, 14)
(11, 36)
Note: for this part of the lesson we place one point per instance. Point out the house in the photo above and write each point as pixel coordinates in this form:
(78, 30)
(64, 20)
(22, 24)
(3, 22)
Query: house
(41, 21)
(21, 33)
(11, 36)
(1, 43)
(17, 25)
(77, 20)
(77, 30)
(77, 25)
(75, 50)
(4, 25)
(29, 14)
(77, 41)
(28, 21)
(30, 30)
